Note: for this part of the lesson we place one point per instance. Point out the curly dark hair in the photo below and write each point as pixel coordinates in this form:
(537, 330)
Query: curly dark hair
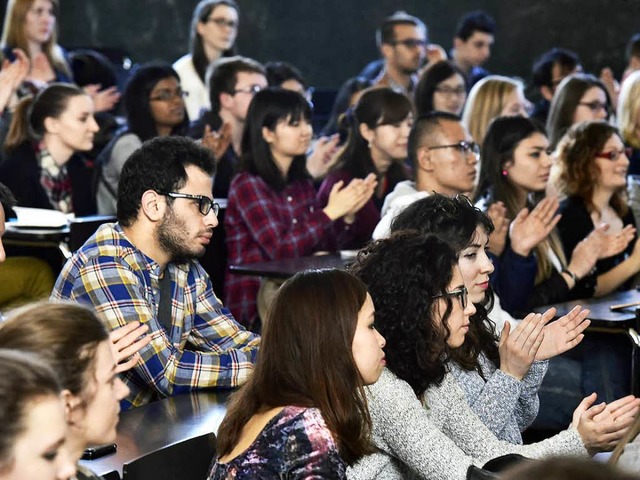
(579, 173)
(456, 220)
(402, 287)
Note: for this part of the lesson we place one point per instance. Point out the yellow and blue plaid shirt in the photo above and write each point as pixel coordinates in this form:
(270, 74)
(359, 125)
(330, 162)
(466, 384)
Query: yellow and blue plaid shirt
(206, 347)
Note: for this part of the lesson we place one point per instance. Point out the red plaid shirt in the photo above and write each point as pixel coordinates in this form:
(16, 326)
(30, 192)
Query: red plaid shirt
(261, 225)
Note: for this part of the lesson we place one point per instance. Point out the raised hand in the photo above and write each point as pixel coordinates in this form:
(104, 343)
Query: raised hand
(530, 228)
(600, 429)
(518, 349)
(125, 343)
(497, 212)
(103, 100)
(323, 156)
(563, 334)
(610, 244)
(584, 257)
(12, 75)
(350, 199)
(217, 141)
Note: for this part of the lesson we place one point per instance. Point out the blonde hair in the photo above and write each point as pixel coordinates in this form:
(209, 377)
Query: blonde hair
(485, 102)
(628, 110)
(13, 33)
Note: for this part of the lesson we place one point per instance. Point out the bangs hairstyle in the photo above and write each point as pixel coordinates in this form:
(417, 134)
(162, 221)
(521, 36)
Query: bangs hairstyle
(456, 220)
(65, 335)
(628, 113)
(402, 287)
(429, 81)
(268, 108)
(25, 379)
(376, 107)
(201, 15)
(485, 102)
(579, 171)
(313, 318)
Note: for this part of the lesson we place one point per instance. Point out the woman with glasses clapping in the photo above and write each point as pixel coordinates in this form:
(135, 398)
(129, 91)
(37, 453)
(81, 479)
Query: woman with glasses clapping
(154, 107)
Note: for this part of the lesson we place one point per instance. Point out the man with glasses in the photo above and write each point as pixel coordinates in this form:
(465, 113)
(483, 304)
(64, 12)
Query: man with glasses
(144, 268)
(444, 160)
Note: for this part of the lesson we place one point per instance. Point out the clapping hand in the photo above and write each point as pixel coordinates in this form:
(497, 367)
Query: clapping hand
(528, 229)
(217, 141)
(497, 212)
(563, 334)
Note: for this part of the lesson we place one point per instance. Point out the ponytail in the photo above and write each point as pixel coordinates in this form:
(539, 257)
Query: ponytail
(19, 130)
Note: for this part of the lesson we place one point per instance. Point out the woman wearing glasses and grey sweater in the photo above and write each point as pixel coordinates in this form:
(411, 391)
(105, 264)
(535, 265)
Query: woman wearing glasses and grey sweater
(154, 106)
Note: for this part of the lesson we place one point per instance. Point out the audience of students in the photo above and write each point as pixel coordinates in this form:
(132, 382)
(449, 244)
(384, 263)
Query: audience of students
(214, 27)
(154, 107)
(273, 212)
(144, 268)
(292, 403)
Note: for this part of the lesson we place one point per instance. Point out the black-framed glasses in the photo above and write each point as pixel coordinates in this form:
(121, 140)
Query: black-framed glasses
(595, 106)
(223, 22)
(462, 293)
(253, 89)
(613, 155)
(450, 92)
(205, 204)
(167, 95)
(463, 147)
(410, 42)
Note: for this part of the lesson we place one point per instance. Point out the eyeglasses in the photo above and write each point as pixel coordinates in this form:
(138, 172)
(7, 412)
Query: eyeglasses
(205, 204)
(450, 92)
(168, 95)
(595, 106)
(253, 89)
(410, 43)
(223, 22)
(463, 147)
(613, 155)
(461, 293)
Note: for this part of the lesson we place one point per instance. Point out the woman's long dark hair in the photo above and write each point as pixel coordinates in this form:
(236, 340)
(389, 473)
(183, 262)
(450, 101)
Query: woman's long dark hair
(306, 360)
(136, 100)
(376, 107)
(429, 81)
(268, 108)
(456, 221)
(403, 273)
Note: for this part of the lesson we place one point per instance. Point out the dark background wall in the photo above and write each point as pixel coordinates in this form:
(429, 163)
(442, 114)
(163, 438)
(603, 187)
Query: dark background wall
(331, 40)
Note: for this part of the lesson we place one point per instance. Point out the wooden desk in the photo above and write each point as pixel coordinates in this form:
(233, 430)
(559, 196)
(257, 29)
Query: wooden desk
(286, 268)
(149, 428)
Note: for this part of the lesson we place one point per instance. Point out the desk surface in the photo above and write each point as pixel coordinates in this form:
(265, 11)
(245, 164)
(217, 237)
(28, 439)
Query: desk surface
(149, 428)
(290, 266)
(601, 315)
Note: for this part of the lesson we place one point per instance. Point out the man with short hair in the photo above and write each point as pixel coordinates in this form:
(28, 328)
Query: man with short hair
(144, 268)
(548, 71)
(443, 158)
(472, 44)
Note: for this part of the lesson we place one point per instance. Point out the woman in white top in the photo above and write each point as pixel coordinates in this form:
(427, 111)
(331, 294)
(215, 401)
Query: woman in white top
(214, 27)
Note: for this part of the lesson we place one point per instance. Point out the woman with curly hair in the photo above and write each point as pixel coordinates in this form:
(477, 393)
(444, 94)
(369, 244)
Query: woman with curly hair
(299, 416)
(422, 310)
(500, 376)
(593, 163)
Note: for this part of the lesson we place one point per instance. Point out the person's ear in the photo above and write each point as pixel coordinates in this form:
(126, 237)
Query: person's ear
(268, 135)
(366, 132)
(425, 159)
(153, 205)
(51, 125)
(71, 404)
(386, 50)
(226, 100)
(200, 27)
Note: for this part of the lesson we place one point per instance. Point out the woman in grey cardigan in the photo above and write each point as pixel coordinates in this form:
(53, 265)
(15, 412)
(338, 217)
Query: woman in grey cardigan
(422, 423)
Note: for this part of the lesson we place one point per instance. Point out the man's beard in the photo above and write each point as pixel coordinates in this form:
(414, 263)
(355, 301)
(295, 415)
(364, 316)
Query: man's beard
(169, 238)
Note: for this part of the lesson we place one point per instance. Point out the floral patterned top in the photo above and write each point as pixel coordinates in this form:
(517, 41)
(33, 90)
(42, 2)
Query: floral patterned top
(295, 444)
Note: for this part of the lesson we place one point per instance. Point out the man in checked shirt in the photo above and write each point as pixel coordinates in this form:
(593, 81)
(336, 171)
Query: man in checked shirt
(145, 268)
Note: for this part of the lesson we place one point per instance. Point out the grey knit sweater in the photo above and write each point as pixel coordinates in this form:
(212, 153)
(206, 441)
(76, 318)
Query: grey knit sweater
(438, 441)
(505, 405)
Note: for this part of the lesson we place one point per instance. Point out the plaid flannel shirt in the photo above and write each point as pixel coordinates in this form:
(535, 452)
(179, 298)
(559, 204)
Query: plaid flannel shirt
(261, 225)
(205, 347)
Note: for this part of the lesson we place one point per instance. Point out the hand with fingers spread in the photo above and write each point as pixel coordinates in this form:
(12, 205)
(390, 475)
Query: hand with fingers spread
(584, 257)
(563, 334)
(497, 212)
(347, 201)
(610, 244)
(518, 349)
(323, 156)
(12, 75)
(600, 429)
(528, 229)
(126, 342)
(103, 100)
(217, 141)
